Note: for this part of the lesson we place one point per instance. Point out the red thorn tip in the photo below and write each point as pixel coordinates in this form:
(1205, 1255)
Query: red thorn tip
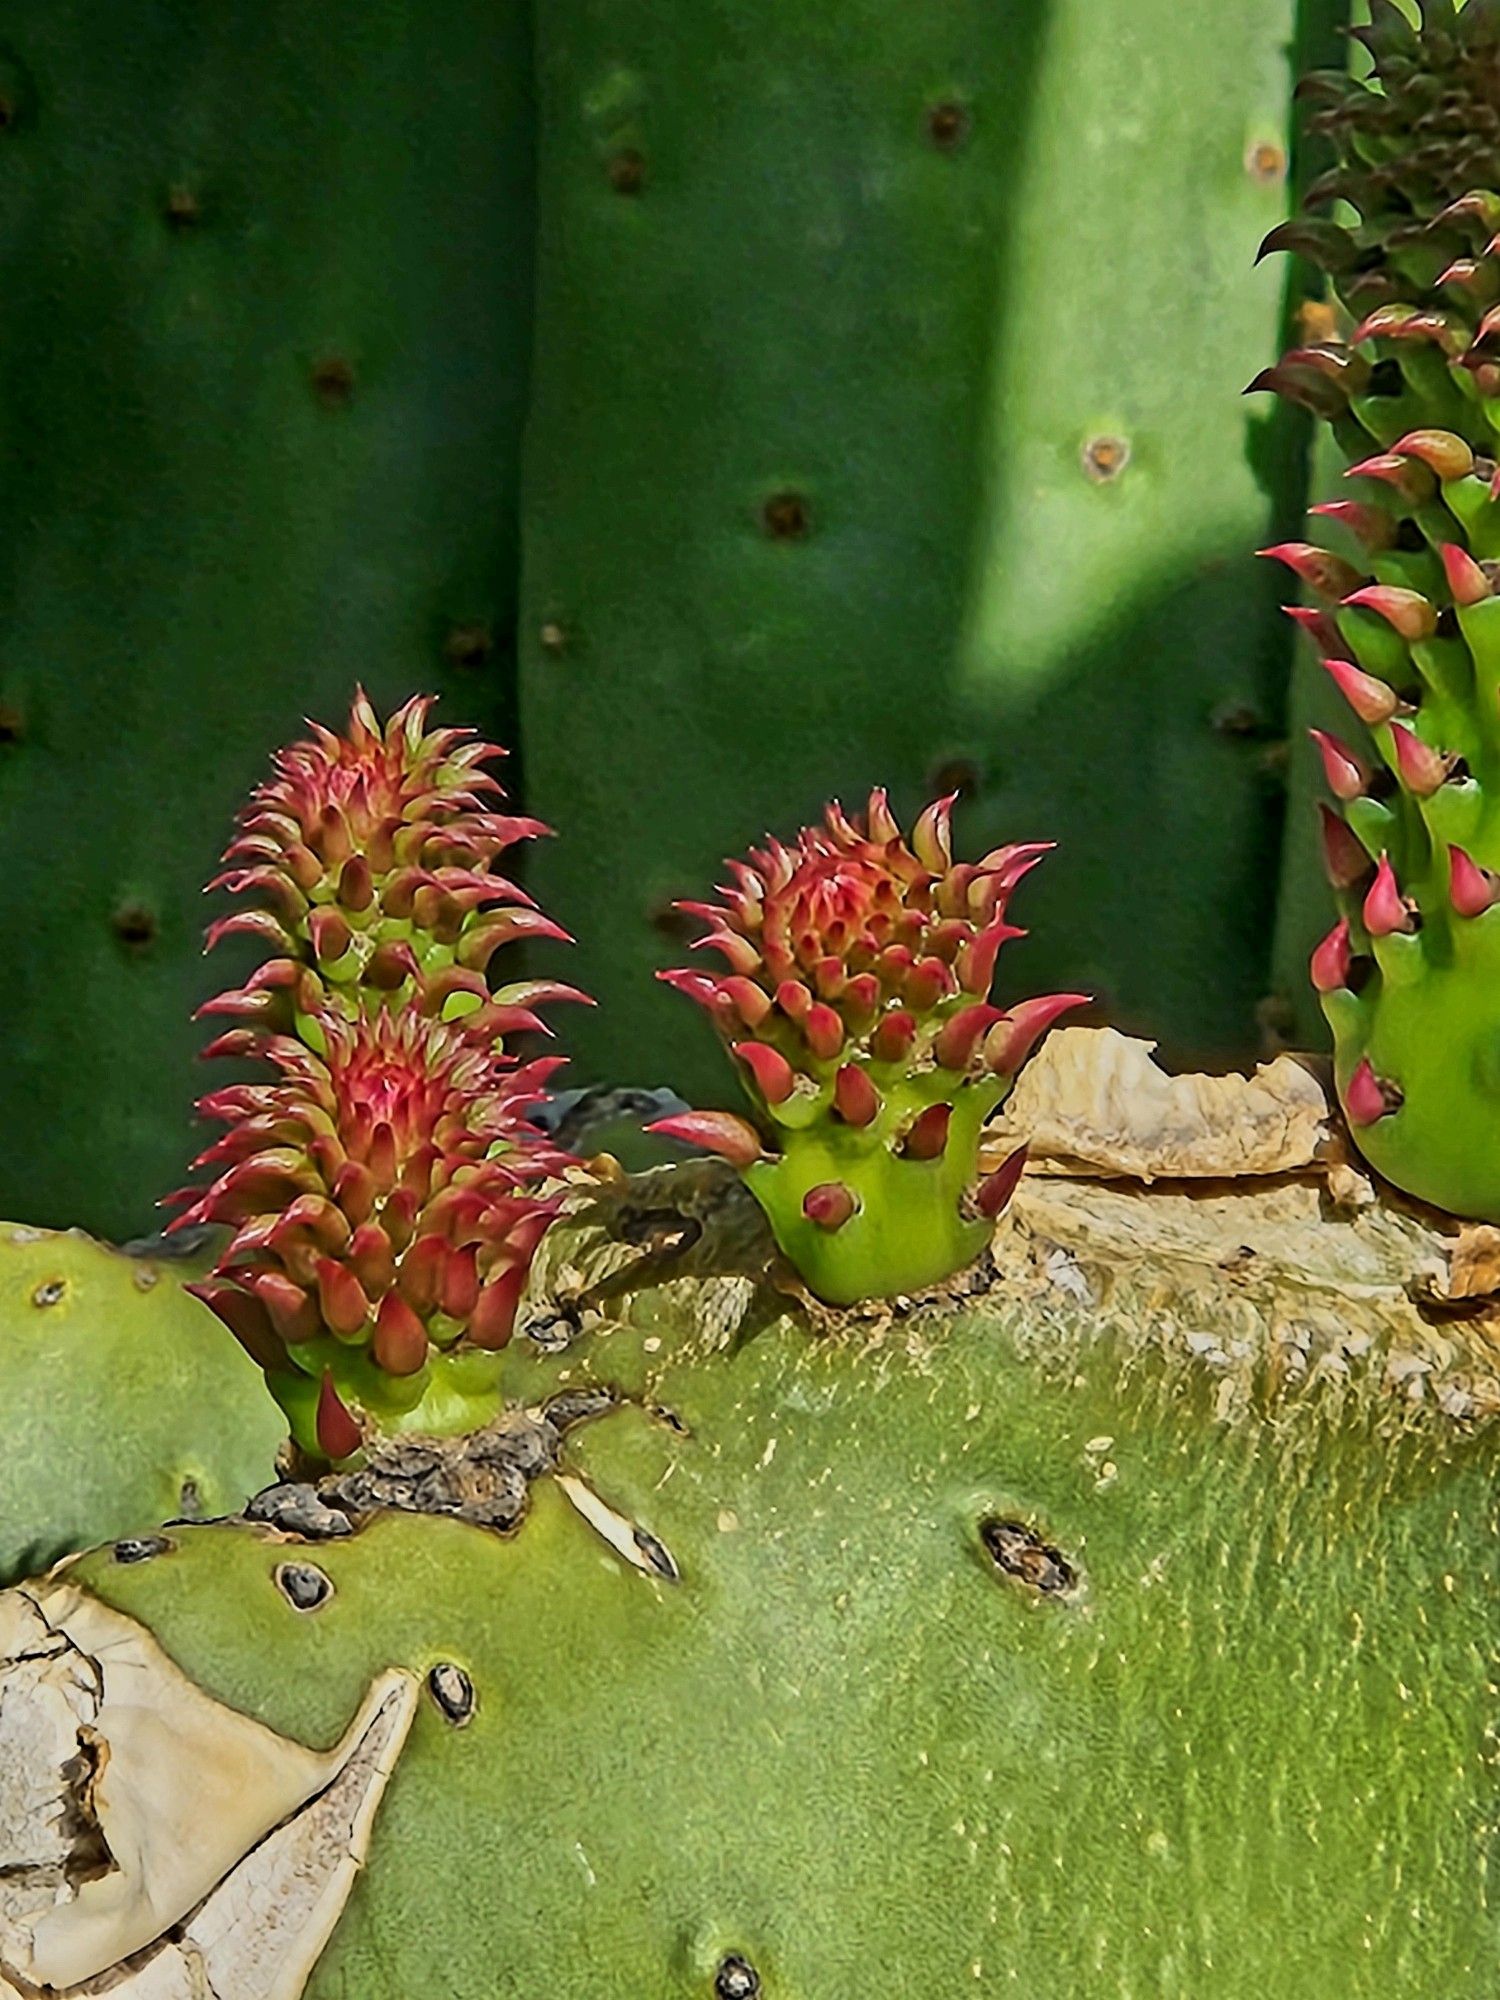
(1407, 612)
(994, 1194)
(1385, 908)
(855, 1098)
(1345, 775)
(1367, 1098)
(959, 1037)
(1012, 1039)
(1372, 700)
(1329, 965)
(928, 1134)
(1471, 889)
(1422, 769)
(773, 1075)
(1344, 858)
(829, 1205)
(339, 1436)
(716, 1132)
(1466, 579)
(1327, 574)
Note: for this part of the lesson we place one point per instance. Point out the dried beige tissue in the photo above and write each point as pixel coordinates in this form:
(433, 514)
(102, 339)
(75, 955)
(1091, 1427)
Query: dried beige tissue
(132, 1805)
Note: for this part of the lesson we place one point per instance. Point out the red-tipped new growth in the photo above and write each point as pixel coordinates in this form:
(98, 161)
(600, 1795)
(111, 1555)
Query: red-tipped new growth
(368, 861)
(384, 1192)
(1421, 768)
(855, 999)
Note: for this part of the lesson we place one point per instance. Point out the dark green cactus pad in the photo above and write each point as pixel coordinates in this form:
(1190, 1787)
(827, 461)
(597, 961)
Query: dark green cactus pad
(1041, 1647)
(885, 430)
(265, 276)
(124, 1401)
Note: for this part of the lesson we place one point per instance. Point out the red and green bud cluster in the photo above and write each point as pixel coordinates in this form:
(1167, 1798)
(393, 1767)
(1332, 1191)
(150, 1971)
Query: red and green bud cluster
(854, 995)
(1406, 615)
(368, 862)
(381, 1193)
(386, 1190)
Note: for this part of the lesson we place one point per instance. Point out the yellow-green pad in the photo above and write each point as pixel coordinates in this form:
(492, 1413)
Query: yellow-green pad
(1247, 1755)
(124, 1401)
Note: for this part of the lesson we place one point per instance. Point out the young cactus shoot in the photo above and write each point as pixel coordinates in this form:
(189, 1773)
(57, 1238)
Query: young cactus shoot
(855, 1002)
(1409, 629)
(384, 1191)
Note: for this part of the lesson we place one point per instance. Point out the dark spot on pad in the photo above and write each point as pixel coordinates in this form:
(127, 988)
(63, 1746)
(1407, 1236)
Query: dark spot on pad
(303, 1585)
(333, 381)
(1020, 1552)
(947, 125)
(51, 1292)
(627, 171)
(452, 1691)
(736, 1979)
(135, 925)
(1105, 458)
(469, 646)
(786, 517)
(181, 208)
(141, 1548)
(189, 1500)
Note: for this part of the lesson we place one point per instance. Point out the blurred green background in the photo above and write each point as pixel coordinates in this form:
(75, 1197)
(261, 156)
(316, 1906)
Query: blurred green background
(725, 406)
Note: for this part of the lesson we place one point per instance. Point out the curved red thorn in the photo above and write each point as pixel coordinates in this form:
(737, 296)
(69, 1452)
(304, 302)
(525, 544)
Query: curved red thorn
(1345, 860)
(1466, 579)
(1421, 768)
(1471, 889)
(1327, 574)
(1330, 962)
(1372, 700)
(1443, 452)
(733, 1139)
(1012, 1039)
(994, 1193)
(1346, 776)
(1407, 612)
(1367, 1097)
(1386, 911)
(928, 1133)
(339, 1436)
(773, 1075)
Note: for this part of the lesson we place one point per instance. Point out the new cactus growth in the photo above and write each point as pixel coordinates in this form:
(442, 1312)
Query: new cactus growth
(383, 1190)
(1409, 977)
(855, 999)
(368, 861)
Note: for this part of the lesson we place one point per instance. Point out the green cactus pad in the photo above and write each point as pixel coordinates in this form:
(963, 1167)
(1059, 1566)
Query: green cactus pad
(1021, 1650)
(125, 1402)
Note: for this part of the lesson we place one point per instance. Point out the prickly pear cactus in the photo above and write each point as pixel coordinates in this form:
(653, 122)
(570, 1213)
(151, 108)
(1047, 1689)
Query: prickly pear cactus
(855, 1001)
(1045, 1644)
(123, 1403)
(1407, 617)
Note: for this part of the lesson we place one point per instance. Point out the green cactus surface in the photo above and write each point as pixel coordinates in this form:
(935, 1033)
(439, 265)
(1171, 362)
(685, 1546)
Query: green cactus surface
(907, 347)
(125, 1402)
(996, 1659)
(266, 297)
(1409, 624)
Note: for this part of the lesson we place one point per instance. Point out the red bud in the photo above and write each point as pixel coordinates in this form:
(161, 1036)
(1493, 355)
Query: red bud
(1405, 611)
(1471, 889)
(1346, 776)
(339, 1436)
(855, 1098)
(829, 1206)
(1422, 769)
(1329, 965)
(1466, 579)
(716, 1132)
(770, 1071)
(994, 1194)
(1386, 910)
(1012, 1039)
(1373, 701)
(1368, 1097)
(928, 1133)
(400, 1340)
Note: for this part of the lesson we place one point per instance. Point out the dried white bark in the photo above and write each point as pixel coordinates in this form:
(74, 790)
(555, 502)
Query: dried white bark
(133, 1804)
